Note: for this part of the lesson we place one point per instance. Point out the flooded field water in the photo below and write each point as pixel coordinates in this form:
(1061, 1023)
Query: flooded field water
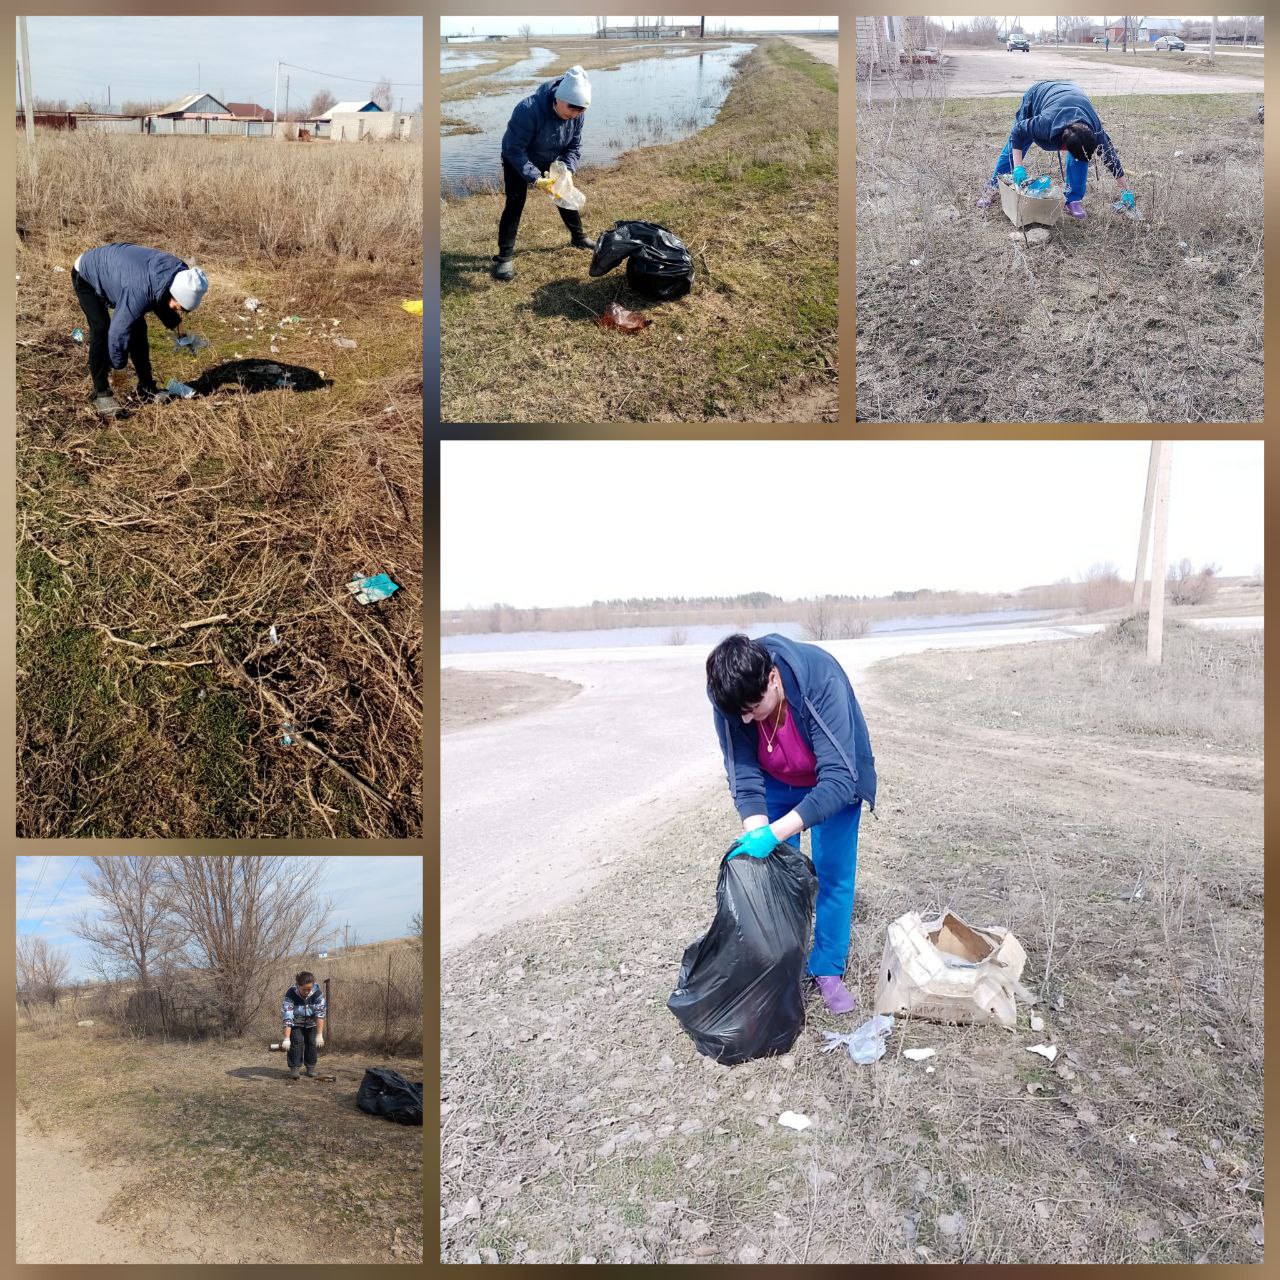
(642, 103)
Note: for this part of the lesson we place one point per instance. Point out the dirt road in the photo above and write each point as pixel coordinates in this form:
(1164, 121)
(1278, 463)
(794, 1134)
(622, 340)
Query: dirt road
(982, 73)
(827, 51)
(537, 808)
(62, 1201)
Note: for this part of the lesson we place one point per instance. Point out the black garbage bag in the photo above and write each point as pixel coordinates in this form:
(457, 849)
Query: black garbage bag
(384, 1092)
(658, 263)
(740, 994)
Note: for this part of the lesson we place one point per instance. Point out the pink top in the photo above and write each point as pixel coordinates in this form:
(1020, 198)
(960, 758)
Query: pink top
(790, 761)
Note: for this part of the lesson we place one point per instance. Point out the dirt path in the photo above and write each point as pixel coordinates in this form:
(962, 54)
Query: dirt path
(981, 73)
(827, 51)
(472, 697)
(62, 1202)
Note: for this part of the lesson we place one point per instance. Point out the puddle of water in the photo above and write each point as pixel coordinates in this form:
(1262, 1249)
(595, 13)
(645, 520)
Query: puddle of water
(526, 68)
(708, 635)
(452, 60)
(642, 103)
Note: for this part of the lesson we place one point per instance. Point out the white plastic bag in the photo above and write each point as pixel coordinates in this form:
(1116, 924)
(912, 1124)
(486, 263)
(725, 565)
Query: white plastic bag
(866, 1044)
(563, 192)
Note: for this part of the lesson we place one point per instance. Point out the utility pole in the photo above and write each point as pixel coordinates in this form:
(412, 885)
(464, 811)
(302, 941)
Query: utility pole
(197, 77)
(275, 101)
(1159, 553)
(702, 28)
(1213, 37)
(1144, 532)
(27, 96)
(286, 97)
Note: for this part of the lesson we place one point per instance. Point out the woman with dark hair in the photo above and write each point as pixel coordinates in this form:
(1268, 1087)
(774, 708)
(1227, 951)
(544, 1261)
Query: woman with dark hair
(304, 1013)
(1056, 115)
(798, 757)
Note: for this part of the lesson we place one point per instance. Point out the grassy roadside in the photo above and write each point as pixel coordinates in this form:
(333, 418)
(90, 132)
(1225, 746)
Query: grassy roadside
(468, 82)
(1110, 320)
(219, 1125)
(579, 1123)
(1186, 63)
(754, 196)
(249, 508)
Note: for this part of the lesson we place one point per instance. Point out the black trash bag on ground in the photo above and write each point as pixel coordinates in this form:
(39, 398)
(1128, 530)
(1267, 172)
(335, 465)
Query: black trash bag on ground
(658, 263)
(384, 1092)
(740, 990)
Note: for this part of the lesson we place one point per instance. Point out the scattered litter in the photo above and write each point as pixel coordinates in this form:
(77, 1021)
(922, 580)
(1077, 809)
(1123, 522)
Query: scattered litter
(251, 304)
(928, 1071)
(1182, 244)
(286, 737)
(62, 269)
(87, 1022)
(275, 351)
(77, 335)
(335, 322)
(201, 696)
(176, 388)
(1176, 154)
(413, 307)
(1044, 1050)
(562, 190)
(616, 317)
(951, 1224)
(1255, 1231)
(367, 590)
(794, 1120)
(948, 971)
(1199, 264)
(1037, 1022)
(237, 355)
(192, 343)
(918, 1055)
(867, 1043)
(273, 634)
(347, 344)
(1134, 213)
(1215, 1036)
(913, 262)
(1137, 893)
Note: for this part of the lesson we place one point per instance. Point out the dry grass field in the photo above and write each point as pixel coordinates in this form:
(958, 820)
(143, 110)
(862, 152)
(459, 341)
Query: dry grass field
(1033, 789)
(246, 508)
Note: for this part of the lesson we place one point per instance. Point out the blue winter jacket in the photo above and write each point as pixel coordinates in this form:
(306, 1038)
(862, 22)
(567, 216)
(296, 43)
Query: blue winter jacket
(132, 280)
(536, 136)
(830, 720)
(1046, 110)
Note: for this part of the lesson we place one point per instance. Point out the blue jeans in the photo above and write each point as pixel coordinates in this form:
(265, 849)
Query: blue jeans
(1077, 170)
(835, 859)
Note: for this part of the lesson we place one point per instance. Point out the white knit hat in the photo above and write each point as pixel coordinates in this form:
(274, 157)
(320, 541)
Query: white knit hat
(575, 88)
(188, 288)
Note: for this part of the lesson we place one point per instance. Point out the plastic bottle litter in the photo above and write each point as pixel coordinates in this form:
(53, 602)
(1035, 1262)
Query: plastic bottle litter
(1134, 213)
(562, 191)
(347, 344)
(867, 1044)
(367, 590)
(192, 343)
(174, 387)
(77, 335)
(616, 317)
(1042, 183)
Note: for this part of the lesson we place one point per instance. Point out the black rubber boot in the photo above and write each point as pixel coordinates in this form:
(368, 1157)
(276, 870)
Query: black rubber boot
(582, 242)
(504, 268)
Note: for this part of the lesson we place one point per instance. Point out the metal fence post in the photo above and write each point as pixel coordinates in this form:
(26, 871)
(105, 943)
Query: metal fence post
(328, 1010)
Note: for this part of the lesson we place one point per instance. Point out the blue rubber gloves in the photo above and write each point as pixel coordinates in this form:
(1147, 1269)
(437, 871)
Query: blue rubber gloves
(1020, 175)
(759, 842)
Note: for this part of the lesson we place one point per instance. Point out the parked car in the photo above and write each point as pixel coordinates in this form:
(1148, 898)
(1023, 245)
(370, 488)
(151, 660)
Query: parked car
(1166, 43)
(1018, 42)
(1099, 39)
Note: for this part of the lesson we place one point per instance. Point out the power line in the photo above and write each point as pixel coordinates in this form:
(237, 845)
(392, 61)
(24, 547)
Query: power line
(329, 75)
(34, 887)
(62, 886)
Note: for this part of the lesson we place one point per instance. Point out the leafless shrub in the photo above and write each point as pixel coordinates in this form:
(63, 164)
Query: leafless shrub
(1102, 587)
(1191, 586)
(819, 618)
(41, 971)
(677, 636)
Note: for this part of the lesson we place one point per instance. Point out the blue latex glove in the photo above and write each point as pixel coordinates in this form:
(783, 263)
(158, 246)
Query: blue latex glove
(1020, 175)
(1128, 199)
(759, 842)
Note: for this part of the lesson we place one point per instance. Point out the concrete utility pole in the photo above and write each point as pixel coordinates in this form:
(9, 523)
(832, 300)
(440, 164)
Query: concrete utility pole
(275, 101)
(286, 97)
(1159, 555)
(1144, 532)
(27, 95)
(1213, 37)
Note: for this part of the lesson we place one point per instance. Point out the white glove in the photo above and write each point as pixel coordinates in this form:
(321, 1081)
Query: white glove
(284, 1044)
(319, 1041)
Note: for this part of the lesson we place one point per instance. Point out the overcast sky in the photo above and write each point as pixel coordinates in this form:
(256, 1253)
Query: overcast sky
(565, 522)
(230, 57)
(375, 894)
(562, 25)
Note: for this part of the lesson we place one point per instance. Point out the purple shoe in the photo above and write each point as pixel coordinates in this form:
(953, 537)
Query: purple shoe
(1076, 210)
(986, 199)
(835, 995)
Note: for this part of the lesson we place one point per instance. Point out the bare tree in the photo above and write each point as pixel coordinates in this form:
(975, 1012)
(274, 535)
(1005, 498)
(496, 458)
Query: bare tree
(320, 102)
(246, 915)
(525, 30)
(381, 94)
(133, 930)
(41, 970)
(820, 618)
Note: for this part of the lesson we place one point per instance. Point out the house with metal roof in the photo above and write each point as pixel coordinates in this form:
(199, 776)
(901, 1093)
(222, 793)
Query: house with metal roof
(348, 108)
(248, 111)
(195, 106)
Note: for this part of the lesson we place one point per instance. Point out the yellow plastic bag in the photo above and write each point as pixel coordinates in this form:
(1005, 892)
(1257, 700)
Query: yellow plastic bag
(414, 308)
(562, 190)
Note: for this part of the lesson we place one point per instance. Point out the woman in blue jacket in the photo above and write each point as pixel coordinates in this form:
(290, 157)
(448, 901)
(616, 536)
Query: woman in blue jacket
(303, 1010)
(118, 286)
(544, 127)
(1055, 115)
(797, 754)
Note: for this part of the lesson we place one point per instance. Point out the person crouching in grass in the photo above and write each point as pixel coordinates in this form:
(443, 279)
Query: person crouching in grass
(131, 281)
(304, 1012)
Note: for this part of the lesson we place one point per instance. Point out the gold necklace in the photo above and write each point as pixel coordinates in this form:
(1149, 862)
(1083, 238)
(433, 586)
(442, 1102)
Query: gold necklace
(777, 724)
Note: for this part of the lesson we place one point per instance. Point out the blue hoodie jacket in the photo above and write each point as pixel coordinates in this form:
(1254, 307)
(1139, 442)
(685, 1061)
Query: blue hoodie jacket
(830, 721)
(536, 136)
(132, 280)
(1046, 110)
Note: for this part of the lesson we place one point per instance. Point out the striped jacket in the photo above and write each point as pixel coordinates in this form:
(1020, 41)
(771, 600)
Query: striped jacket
(302, 1011)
